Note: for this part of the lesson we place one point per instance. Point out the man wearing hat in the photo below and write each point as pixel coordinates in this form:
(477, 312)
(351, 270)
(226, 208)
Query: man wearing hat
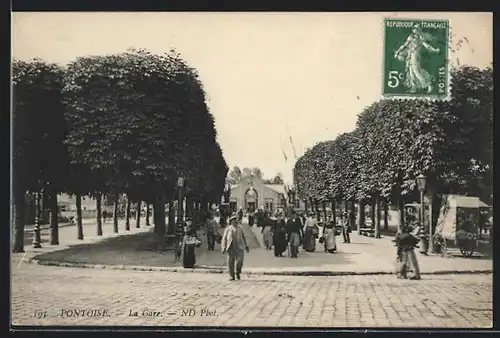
(346, 229)
(234, 244)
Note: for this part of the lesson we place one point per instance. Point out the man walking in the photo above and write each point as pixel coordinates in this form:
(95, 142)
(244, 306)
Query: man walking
(212, 231)
(294, 234)
(234, 244)
(346, 229)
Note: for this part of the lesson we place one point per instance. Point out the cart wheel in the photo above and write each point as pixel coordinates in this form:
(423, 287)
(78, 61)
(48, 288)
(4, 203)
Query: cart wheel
(440, 245)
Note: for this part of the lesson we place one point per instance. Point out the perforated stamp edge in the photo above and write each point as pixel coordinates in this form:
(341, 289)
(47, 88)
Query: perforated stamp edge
(449, 80)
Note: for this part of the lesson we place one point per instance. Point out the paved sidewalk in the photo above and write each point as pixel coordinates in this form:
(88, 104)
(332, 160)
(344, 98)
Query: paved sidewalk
(364, 255)
(68, 236)
(43, 295)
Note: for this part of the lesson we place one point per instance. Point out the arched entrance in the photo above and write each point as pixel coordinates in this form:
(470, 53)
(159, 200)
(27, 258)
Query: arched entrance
(251, 200)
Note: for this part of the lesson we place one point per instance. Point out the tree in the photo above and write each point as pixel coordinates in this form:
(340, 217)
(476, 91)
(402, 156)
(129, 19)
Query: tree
(125, 121)
(395, 140)
(140, 121)
(38, 133)
(235, 175)
(257, 172)
(247, 172)
(278, 179)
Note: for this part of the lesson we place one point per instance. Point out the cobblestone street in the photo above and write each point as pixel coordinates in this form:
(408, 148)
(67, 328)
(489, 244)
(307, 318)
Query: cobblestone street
(44, 295)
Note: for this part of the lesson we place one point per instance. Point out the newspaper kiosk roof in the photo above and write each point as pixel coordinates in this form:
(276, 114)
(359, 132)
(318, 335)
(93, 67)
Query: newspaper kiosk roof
(458, 201)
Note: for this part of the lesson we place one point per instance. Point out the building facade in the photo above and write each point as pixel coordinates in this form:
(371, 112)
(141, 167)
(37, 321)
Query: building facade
(251, 194)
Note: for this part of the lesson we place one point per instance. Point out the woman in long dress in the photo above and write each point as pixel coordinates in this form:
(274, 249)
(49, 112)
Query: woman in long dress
(267, 232)
(416, 77)
(310, 234)
(329, 237)
(279, 237)
(188, 245)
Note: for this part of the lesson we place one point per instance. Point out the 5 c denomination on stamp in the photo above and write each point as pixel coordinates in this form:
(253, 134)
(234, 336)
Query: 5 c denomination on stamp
(416, 59)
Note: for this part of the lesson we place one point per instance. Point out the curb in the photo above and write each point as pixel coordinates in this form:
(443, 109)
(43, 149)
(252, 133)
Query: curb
(218, 270)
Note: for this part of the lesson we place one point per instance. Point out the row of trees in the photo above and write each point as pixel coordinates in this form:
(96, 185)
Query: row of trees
(236, 175)
(128, 123)
(450, 142)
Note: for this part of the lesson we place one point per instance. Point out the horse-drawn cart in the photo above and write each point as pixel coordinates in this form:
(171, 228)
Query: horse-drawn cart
(460, 224)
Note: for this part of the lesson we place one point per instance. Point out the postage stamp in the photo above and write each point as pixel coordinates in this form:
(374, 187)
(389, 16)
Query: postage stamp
(416, 59)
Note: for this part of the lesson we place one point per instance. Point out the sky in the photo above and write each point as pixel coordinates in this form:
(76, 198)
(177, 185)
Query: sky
(268, 76)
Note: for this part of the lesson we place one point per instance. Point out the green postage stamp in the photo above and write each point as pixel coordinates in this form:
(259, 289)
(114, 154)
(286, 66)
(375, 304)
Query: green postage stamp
(416, 59)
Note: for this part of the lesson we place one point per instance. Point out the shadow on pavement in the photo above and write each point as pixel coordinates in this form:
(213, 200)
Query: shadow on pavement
(133, 250)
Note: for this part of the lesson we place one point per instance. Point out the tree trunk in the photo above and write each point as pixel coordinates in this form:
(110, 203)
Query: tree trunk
(318, 212)
(187, 207)
(325, 213)
(401, 209)
(79, 221)
(19, 216)
(372, 211)
(54, 219)
(99, 213)
(180, 210)
(334, 216)
(159, 216)
(115, 213)
(138, 214)
(361, 210)
(204, 207)
(306, 206)
(148, 211)
(386, 215)
(378, 216)
(171, 217)
(435, 209)
(191, 208)
(352, 215)
(127, 214)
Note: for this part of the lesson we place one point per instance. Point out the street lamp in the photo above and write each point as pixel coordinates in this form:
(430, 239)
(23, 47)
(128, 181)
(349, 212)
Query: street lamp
(426, 243)
(180, 211)
(37, 240)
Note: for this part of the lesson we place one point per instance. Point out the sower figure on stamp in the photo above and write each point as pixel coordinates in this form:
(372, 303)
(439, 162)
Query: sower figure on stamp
(416, 77)
(234, 244)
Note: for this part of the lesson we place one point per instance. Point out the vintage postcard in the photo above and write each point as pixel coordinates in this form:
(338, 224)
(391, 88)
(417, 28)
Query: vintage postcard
(317, 170)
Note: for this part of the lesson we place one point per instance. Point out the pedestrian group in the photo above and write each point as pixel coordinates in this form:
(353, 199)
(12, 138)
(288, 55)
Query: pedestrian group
(299, 230)
(279, 234)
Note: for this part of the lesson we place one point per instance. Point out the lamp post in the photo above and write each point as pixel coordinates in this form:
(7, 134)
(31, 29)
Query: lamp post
(180, 211)
(37, 240)
(426, 239)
